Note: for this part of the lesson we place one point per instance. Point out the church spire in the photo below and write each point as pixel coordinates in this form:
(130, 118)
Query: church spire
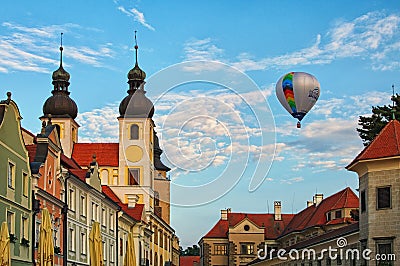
(60, 76)
(136, 75)
(60, 104)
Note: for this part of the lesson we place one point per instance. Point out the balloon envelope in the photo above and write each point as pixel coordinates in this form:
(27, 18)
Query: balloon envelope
(298, 92)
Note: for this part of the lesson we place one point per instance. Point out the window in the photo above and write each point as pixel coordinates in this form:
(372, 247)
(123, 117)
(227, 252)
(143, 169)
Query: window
(83, 206)
(246, 249)
(37, 233)
(363, 203)
(111, 253)
(151, 257)
(165, 242)
(134, 131)
(328, 262)
(329, 216)
(10, 221)
(104, 251)
(220, 249)
(383, 198)
(111, 221)
(95, 212)
(246, 227)
(25, 228)
(155, 258)
(338, 214)
(134, 176)
(72, 239)
(25, 184)
(156, 198)
(71, 200)
(11, 175)
(384, 248)
(161, 238)
(155, 235)
(103, 217)
(83, 243)
(121, 247)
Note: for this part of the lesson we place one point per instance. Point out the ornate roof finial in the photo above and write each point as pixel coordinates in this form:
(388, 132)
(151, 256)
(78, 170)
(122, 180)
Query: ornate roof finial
(136, 49)
(61, 49)
(393, 107)
(8, 95)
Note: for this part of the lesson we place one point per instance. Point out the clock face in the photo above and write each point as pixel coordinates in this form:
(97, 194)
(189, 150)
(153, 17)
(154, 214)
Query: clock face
(134, 153)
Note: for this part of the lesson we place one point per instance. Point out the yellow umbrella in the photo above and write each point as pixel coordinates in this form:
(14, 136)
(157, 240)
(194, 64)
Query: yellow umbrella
(5, 257)
(45, 256)
(130, 258)
(96, 246)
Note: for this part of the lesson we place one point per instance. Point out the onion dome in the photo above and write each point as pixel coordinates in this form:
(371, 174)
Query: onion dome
(60, 104)
(136, 104)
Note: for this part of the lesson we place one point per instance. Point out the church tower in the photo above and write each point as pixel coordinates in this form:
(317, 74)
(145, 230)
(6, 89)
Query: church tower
(61, 109)
(136, 147)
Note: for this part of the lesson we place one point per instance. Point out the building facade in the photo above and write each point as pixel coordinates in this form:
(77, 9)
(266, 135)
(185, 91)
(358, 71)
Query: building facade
(241, 238)
(15, 192)
(45, 162)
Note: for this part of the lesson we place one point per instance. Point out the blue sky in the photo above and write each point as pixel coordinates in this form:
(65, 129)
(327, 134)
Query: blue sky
(351, 47)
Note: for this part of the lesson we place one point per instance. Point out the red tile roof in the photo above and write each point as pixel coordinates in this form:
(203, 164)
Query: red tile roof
(220, 230)
(135, 213)
(272, 228)
(31, 151)
(385, 144)
(316, 215)
(309, 217)
(69, 163)
(80, 173)
(106, 153)
(189, 260)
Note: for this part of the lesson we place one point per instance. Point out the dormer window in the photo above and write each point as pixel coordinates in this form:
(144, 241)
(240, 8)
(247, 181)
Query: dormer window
(338, 214)
(134, 132)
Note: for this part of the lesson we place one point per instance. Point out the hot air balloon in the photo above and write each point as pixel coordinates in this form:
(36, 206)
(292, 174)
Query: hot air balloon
(298, 92)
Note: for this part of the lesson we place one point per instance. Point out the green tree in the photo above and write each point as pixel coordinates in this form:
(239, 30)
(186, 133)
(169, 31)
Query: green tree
(381, 115)
(191, 251)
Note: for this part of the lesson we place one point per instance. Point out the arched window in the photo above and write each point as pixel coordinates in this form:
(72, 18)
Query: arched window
(134, 131)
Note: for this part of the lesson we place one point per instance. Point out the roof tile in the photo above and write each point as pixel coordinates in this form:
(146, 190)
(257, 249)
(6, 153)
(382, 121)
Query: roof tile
(106, 153)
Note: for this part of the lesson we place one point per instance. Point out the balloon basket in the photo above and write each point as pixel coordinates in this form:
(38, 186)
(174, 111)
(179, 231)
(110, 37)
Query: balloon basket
(298, 125)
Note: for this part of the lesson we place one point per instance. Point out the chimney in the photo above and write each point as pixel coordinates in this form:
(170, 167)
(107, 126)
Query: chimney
(318, 198)
(278, 210)
(309, 203)
(132, 200)
(224, 214)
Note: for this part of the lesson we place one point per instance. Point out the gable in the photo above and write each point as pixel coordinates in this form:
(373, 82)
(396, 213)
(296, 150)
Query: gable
(246, 226)
(10, 130)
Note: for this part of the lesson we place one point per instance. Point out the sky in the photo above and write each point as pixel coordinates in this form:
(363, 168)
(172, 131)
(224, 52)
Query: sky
(228, 140)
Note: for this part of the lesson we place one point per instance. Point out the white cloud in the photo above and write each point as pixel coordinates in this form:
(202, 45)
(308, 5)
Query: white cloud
(35, 49)
(368, 37)
(137, 16)
(99, 125)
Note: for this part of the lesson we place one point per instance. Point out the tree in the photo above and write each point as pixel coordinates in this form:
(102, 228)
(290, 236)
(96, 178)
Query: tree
(381, 115)
(191, 251)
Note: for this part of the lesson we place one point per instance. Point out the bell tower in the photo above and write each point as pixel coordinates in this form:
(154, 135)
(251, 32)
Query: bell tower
(136, 161)
(61, 109)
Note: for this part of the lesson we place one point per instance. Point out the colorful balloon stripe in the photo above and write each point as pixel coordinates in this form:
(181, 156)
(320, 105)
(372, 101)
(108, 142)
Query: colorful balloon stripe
(287, 85)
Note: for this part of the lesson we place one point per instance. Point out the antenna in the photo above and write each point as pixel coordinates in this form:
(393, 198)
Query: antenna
(267, 207)
(393, 107)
